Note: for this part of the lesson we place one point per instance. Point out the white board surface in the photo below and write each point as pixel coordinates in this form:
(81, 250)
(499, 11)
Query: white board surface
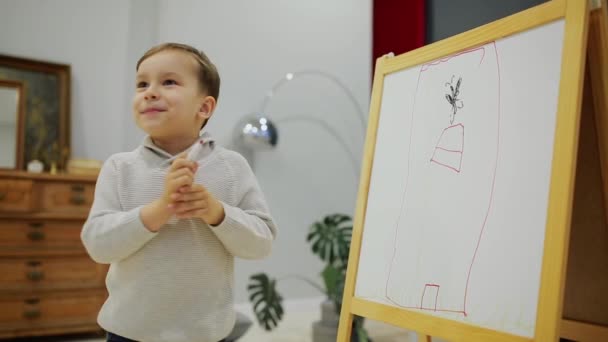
(458, 195)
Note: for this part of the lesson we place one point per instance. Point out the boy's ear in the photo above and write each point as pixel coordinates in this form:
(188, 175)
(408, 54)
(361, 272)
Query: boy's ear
(207, 107)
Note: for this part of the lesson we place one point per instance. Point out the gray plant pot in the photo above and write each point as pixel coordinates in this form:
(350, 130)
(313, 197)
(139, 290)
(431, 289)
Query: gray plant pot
(326, 329)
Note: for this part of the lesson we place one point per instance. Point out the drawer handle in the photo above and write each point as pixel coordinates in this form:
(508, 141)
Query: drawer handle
(32, 301)
(78, 188)
(2, 195)
(35, 235)
(36, 224)
(35, 275)
(34, 263)
(31, 313)
(77, 199)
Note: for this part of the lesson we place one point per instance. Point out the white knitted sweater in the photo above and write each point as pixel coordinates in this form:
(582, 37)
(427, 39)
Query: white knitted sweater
(177, 284)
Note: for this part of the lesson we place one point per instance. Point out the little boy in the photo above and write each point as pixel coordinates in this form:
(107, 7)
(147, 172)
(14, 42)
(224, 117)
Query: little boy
(168, 226)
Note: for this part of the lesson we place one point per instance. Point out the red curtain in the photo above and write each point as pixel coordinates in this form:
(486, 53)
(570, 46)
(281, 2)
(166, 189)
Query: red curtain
(398, 26)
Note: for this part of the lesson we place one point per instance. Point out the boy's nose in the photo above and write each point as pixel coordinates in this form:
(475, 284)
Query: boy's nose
(150, 94)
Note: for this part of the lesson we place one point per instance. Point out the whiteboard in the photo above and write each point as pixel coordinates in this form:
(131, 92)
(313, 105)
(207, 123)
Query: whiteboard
(457, 202)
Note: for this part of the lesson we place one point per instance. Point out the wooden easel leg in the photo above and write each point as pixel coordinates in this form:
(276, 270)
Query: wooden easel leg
(584, 299)
(346, 324)
(597, 58)
(424, 338)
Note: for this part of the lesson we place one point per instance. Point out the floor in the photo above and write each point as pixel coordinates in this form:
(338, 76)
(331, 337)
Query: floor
(298, 332)
(286, 333)
(295, 327)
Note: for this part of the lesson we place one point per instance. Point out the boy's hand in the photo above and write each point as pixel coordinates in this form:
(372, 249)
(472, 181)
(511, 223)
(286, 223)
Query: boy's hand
(180, 175)
(196, 201)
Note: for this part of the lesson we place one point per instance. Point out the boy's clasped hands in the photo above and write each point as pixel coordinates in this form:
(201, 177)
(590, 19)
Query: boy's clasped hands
(186, 199)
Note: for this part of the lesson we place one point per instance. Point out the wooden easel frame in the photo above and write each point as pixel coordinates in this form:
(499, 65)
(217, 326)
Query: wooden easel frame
(597, 58)
(557, 234)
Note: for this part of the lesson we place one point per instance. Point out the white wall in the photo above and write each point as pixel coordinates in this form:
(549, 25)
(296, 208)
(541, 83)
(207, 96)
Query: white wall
(253, 45)
(90, 36)
(142, 34)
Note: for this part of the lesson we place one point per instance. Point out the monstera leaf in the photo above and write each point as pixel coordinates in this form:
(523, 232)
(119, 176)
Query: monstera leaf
(330, 239)
(267, 302)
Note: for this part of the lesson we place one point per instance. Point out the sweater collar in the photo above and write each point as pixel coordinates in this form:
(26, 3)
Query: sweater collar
(148, 144)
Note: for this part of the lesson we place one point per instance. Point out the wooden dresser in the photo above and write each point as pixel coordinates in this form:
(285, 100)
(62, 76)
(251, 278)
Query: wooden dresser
(48, 283)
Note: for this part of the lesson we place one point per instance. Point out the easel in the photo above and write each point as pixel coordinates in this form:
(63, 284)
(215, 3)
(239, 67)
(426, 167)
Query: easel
(585, 298)
(586, 30)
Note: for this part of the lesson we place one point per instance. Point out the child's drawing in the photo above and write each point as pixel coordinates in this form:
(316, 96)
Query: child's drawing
(446, 202)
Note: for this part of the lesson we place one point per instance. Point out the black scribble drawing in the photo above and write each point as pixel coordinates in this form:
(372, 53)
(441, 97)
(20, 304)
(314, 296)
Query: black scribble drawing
(453, 97)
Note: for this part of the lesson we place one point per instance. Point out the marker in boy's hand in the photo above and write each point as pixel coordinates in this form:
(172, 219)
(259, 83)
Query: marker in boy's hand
(197, 202)
(180, 176)
(192, 200)
(194, 150)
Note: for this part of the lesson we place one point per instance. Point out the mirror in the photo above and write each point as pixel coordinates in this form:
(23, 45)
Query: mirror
(46, 96)
(12, 100)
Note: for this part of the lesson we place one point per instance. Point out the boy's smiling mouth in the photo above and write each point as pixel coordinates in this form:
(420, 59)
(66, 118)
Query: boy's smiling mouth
(153, 110)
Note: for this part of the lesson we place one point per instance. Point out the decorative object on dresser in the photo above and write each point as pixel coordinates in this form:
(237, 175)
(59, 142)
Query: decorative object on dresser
(84, 166)
(48, 284)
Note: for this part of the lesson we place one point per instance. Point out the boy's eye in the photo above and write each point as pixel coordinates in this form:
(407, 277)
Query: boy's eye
(169, 82)
(142, 84)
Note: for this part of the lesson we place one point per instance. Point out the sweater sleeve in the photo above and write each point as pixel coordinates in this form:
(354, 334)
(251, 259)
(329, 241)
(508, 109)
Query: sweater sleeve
(111, 234)
(247, 230)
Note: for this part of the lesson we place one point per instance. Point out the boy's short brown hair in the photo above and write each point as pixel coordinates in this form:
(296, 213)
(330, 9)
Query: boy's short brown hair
(208, 76)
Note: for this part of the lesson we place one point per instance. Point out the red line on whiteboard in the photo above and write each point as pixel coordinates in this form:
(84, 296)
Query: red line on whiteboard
(436, 296)
(426, 309)
(448, 150)
(457, 170)
(425, 67)
(483, 227)
(407, 176)
(447, 162)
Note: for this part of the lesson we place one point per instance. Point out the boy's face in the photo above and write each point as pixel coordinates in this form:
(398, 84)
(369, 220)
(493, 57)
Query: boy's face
(168, 101)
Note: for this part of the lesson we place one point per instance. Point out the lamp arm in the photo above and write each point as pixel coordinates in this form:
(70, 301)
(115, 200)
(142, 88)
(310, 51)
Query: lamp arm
(331, 131)
(290, 76)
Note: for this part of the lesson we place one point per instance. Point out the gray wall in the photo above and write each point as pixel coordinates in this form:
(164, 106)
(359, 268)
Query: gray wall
(450, 17)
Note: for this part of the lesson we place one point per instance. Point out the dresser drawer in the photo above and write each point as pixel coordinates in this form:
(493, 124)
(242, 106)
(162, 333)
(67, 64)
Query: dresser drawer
(55, 309)
(40, 234)
(67, 197)
(50, 272)
(16, 195)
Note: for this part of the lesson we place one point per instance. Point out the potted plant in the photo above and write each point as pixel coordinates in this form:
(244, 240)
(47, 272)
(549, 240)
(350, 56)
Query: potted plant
(329, 239)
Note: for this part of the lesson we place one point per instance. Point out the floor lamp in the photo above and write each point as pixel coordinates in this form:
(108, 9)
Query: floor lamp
(257, 131)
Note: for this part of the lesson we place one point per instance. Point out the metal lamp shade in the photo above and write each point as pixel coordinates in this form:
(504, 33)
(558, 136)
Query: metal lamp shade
(257, 132)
